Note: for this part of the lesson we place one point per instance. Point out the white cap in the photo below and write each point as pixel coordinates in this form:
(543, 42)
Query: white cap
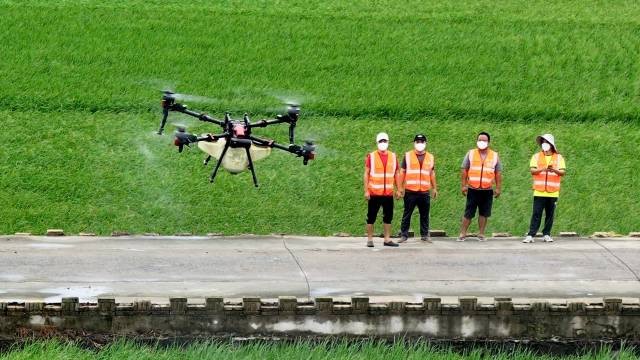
(549, 138)
(382, 136)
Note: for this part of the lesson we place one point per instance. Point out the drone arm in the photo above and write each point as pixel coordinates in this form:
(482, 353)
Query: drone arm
(279, 120)
(306, 151)
(264, 123)
(292, 127)
(269, 143)
(211, 137)
(183, 138)
(165, 113)
(200, 116)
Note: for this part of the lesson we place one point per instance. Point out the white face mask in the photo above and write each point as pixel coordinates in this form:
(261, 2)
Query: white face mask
(482, 145)
(383, 146)
(546, 147)
(419, 146)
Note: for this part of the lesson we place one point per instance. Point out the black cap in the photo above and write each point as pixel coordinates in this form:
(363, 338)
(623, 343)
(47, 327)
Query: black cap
(420, 137)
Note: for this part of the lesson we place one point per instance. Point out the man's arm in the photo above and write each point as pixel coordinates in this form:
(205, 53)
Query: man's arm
(498, 190)
(366, 183)
(434, 185)
(399, 185)
(464, 173)
(365, 177)
(403, 175)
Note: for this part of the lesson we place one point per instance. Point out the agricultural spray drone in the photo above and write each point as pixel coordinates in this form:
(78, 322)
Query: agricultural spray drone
(235, 148)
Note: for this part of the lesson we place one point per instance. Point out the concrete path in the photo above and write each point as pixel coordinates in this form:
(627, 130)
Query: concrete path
(156, 268)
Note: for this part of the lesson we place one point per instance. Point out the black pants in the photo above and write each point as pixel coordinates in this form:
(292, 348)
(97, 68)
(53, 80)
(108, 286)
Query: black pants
(423, 202)
(373, 206)
(548, 204)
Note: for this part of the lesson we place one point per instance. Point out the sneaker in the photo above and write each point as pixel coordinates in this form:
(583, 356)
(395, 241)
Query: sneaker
(528, 239)
(426, 239)
(547, 238)
(481, 238)
(460, 238)
(391, 243)
(369, 243)
(402, 239)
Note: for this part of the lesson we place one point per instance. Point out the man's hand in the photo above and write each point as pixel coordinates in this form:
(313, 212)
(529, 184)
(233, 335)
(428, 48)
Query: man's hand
(367, 196)
(434, 193)
(399, 194)
(497, 192)
(464, 190)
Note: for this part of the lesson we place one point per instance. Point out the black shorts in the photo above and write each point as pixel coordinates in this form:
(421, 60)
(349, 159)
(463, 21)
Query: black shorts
(478, 199)
(374, 204)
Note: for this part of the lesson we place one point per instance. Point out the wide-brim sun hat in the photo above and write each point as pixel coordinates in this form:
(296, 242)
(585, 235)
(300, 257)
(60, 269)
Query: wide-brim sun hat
(549, 138)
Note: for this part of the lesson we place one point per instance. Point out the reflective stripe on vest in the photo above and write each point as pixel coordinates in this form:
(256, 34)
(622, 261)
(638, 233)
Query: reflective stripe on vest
(381, 176)
(482, 173)
(547, 181)
(418, 176)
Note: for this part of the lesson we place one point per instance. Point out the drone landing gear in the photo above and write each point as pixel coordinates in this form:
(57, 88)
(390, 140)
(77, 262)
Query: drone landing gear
(224, 151)
(253, 172)
(215, 170)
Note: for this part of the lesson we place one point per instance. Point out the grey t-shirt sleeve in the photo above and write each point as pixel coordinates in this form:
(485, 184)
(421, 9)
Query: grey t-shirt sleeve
(466, 164)
(404, 163)
(498, 165)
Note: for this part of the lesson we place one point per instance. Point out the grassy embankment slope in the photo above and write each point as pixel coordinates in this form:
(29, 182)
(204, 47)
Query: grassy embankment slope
(79, 107)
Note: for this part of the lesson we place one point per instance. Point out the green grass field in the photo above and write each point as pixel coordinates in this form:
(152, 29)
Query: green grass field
(261, 350)
(80, 103)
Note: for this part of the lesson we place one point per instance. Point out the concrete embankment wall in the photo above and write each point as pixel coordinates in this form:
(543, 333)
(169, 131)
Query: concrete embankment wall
(467, 319)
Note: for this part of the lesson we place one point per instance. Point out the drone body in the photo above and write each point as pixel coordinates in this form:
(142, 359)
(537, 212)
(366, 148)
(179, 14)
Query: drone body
(235, 147)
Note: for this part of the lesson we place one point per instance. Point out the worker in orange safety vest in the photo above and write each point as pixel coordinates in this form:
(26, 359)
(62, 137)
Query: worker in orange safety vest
(547, 168)
(419, 185)
(381, 174)
(481, 169)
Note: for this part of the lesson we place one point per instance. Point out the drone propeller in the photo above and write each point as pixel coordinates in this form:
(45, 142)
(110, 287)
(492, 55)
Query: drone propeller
(182, 138)
(308, 151)
(289, 99)
(189, 97)
(309, 145)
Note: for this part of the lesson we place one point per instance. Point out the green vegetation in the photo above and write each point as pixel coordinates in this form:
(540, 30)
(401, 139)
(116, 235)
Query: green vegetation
(52, 350)
(79, 107)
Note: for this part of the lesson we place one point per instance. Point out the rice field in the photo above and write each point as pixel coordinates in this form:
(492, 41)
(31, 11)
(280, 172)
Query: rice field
(79, 108)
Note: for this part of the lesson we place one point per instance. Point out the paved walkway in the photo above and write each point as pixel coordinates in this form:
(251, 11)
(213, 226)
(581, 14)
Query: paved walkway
(156, 268)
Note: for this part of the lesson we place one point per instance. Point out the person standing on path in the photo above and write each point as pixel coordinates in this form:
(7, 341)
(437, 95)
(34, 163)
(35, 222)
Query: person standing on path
(381, 173)
(419, 185)
(547, 167)
(481, 169)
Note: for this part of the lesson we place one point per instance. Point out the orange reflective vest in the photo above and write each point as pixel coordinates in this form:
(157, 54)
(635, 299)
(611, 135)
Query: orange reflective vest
(482, 172)
(417, 176)
(381, 176)
(547, 181)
